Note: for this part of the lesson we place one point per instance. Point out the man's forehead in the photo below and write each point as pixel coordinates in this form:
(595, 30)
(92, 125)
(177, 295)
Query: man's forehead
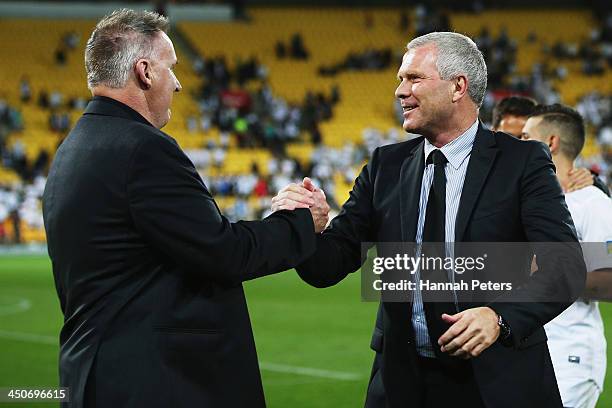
(164, 45)
(532, 124)
(515, 119)
(425, 53)
(533, 121)
(422, 50)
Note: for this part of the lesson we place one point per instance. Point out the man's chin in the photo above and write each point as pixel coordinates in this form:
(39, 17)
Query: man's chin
(165, 122)
(409, 126)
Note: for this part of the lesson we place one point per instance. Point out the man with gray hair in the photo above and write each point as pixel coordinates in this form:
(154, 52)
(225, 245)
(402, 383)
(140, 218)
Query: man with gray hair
(148, 271)
(458, 182)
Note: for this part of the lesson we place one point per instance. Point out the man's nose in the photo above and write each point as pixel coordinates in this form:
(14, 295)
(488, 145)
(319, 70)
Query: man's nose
(403, 90)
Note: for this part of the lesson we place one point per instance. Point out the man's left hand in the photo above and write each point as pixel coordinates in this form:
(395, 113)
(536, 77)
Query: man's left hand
(472, 332)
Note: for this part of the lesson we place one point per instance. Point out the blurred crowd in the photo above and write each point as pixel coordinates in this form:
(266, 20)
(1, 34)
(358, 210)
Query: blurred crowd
(20, 202)
(252, 191)
(13, 156)
(295, 48)
(237, 102)
(255, 118)
(368, 60)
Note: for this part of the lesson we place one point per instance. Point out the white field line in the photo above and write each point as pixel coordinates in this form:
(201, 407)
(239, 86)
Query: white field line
(19, 305)
(30, 337)
(267, 366)
(309, 371)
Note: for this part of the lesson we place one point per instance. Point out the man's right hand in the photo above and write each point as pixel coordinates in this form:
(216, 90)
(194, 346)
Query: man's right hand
(578, 179)
(304, 196)
(320, 209)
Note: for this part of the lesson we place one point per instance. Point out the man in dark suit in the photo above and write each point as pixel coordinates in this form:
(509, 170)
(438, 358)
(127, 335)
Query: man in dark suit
(458, 182)
(148, 271)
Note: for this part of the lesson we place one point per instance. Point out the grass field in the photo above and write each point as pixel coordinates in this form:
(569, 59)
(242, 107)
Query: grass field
(313, 344)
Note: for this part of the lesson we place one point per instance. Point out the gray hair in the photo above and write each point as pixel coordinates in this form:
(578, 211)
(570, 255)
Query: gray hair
(458, 55)
(118, 41)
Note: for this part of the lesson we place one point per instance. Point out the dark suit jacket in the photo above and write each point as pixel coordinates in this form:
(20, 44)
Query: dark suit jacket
(510, 194)
(149, 273)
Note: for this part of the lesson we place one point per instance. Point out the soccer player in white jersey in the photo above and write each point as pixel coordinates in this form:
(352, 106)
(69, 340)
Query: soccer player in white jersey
(576, 337)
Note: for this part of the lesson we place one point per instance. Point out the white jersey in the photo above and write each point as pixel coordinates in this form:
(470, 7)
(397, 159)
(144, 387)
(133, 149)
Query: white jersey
(576, 337)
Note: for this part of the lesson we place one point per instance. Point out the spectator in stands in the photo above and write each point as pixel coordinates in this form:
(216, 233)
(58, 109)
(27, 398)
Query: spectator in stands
(60, 56)
(18, 160)
(15, 218)
(368, 60)
(25, 90)
(219, 155)
(429, 19)
(56, 99)
(59, 121)
(77, 103)
(335, 94)
(404, 22)
(43, 99)
(297, 47)
(39, 167)
(161, 7)
(280, 50)
(71, 40)
(261, 188)
(9, 201)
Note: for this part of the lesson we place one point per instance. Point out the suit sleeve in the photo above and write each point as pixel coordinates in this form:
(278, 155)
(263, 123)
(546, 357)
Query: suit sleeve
(548, 225)
(172, 209)
(339, 250)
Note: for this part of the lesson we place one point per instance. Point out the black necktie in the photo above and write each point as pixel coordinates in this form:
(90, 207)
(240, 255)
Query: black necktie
(435, 215)
(434, 234)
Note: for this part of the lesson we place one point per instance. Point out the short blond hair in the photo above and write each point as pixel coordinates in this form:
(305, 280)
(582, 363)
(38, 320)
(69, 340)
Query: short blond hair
(118, 41)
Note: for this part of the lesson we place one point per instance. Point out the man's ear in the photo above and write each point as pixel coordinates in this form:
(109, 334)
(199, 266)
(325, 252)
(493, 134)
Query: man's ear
(142, 70)
(460, 86)
(554, 143)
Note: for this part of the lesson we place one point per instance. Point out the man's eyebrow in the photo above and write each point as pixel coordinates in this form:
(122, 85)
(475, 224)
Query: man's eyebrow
(409, 75)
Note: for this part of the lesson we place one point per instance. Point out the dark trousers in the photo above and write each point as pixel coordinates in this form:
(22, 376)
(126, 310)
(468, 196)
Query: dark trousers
(448, 385)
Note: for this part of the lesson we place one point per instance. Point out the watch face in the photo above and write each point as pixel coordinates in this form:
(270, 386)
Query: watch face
(504, 329)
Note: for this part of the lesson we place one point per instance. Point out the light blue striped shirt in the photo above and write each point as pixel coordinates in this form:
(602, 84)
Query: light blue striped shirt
(457, 153)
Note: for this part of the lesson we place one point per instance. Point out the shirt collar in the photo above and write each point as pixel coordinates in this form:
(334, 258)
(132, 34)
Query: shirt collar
(103, 105)
(457, 150)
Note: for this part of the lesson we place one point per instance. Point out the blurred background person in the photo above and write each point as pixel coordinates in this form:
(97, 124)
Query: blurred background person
(511, 113)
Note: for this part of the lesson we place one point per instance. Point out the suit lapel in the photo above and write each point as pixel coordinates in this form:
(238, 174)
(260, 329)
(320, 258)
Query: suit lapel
(482, 158)
(411, 177)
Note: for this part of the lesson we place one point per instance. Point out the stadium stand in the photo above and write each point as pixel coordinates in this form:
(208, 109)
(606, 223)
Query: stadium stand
(354, 113)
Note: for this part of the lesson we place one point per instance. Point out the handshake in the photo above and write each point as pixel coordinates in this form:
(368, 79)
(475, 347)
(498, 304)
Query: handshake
(304, 195)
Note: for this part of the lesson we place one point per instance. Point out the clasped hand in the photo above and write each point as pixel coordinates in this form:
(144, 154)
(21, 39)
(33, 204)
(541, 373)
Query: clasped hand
(305, 195)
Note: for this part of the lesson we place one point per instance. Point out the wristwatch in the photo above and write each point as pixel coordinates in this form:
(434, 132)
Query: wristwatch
(504, 329)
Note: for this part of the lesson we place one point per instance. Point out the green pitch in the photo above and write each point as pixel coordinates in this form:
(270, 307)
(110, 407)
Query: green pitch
(313, 344)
